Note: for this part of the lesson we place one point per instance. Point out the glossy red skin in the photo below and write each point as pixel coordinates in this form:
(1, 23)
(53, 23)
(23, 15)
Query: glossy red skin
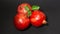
(21, 8)
(21, 22)
(37, 18)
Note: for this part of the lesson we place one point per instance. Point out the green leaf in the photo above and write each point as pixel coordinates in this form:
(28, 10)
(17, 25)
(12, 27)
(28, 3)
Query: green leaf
(26, 7)
(35, 7)
(29, 13)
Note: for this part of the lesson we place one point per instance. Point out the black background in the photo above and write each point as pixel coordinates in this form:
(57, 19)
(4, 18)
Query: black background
(50, 7)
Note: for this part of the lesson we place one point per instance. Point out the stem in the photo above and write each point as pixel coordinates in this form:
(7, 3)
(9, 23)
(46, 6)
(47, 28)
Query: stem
(44, 22)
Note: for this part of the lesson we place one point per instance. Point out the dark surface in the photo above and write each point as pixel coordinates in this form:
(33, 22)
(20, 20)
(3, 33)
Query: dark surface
(50, 7)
